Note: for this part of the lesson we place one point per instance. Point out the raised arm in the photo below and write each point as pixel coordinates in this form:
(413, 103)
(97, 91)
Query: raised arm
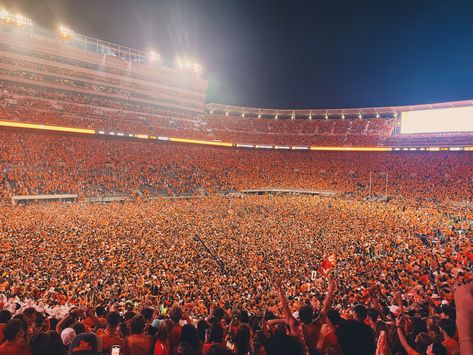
(400, 304)
(402, 337)
(464, 309)
(290, 320)
(72, 316)
(376, 305)
(328, 299)
(273, 322)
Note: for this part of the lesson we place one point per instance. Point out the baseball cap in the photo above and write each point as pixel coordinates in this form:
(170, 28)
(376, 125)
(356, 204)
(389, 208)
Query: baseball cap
(67, 336)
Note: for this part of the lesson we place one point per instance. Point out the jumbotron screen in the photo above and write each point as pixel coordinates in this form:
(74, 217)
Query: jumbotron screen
(458, 119)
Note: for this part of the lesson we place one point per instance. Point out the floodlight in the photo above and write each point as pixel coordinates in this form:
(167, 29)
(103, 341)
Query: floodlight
(187, 65)
(66, 33)
(197, 68)
(14, 19)
(377, 115)
(153, 56)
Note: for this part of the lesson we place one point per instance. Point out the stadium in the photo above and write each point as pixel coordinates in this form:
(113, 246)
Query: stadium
(136, 217)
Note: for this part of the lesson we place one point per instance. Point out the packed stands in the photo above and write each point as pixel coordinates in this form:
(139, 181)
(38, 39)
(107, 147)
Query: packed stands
(50, 63)
(51, 163)
(298, 132)
(48, 82)
(52, 106)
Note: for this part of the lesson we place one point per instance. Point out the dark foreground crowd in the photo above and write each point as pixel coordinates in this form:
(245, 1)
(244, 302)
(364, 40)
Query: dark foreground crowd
(367, 331)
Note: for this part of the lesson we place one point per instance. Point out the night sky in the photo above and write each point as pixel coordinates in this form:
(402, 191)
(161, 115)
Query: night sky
(293, 54)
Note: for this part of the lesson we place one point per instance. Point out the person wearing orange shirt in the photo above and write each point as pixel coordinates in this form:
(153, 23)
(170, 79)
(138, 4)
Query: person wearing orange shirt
(138, 342)
(95, 320)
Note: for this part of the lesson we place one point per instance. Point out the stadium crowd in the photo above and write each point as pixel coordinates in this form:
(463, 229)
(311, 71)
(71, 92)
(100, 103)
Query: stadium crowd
(46, 105)
(139, 275)
(45, 164)
(246, 275)
(43, 60)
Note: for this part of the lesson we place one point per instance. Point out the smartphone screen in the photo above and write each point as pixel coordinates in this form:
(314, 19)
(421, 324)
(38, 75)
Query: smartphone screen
(116, 350)
(231, 345)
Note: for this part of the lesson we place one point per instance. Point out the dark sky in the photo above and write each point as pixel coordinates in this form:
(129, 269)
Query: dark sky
(293, 54)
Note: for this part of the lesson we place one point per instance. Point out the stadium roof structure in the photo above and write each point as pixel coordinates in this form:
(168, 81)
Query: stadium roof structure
(387, 112)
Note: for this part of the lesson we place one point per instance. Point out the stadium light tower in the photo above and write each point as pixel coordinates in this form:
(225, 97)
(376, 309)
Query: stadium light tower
(154, 57)
(15, 19)
(197, 68)
(186, 65)
(65, 33)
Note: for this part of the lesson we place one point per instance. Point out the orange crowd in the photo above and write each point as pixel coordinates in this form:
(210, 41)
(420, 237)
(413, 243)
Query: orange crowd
(255, 262)
(381, 267)
(46, 164)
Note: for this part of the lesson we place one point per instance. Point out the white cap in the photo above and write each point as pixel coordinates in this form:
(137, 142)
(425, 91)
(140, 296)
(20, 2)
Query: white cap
(67, 336)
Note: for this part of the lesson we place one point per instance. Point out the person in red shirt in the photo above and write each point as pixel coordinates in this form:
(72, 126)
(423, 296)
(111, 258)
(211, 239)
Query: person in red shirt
(327, 341)
(13, 333)
(111, 335)
(138, 342)
(162, 339)
(216, 337)
(448, 330)
(5, 316)
(176, 316)
(95, 320)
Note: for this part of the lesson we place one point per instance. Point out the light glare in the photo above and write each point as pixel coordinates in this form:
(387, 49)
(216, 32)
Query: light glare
(16, 19)
(154, 56)
(458, 119)
(187, 65)
(65, 32)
